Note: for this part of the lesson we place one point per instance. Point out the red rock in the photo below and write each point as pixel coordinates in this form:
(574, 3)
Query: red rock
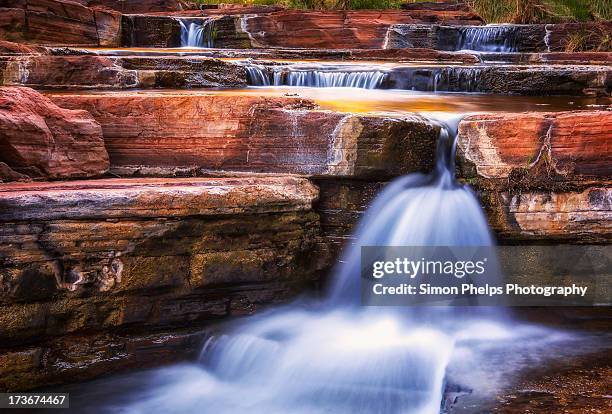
(339, 29)
(67, 72)
(12, 24)
(40, 139)
(577, 216)
(11, 48)
(59, 22)
(250, 133)
(138, 6)
(572, 145)
(154, 197)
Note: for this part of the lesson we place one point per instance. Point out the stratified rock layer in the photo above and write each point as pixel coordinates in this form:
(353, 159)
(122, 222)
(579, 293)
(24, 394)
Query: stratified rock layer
(98, 256)
(250, 133)
(40, 139)
(101, 72)
(59, 22)
(565, 146)
(265, 28)
(543, 176)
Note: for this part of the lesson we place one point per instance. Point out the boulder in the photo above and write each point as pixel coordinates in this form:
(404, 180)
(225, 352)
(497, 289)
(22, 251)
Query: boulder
(40, 139)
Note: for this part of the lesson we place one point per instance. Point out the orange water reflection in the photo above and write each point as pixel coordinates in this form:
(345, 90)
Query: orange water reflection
(393, 101)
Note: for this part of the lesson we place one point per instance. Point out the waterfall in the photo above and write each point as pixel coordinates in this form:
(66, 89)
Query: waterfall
(497, 38)
(417, 210)
(197, 32)
(337, 357)
(328, 77)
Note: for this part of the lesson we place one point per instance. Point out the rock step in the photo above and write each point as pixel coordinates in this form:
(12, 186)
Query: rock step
(166, 131)
(359, 29)
(128, 72)
(500, 38)
(59, 22)
(80, 255)
(536, 149)
(575, 215)
(76, 358)
(154, 197)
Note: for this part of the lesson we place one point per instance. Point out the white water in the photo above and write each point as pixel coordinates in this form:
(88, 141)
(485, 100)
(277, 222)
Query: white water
(494, 38)
(329, 77)
(197, 32)
(336, 356)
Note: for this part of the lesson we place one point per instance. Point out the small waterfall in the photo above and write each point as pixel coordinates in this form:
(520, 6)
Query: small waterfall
(257, 75)
(319, 78)
(338, 357)
(197, 32)
(437, 79)
(417, 210)
(498, 38)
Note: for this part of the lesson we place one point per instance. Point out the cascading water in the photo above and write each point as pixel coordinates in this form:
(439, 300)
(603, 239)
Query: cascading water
(336, 356)
(197, 32)
(497, 38)
(315, 77)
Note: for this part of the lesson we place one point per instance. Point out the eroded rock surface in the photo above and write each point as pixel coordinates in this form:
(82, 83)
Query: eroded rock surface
(40, 139)
(93, 257)
(101, 72)
(546, 146)
(59, 22)
(250, 133)
(244, 28)
(541, 176)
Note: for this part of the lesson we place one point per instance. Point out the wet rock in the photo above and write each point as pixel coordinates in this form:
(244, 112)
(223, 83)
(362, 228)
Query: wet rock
(577, 216)
(40, 139)
(509, 38)
(249, 133)
(504, 79)
(79, 358)
(150, 31)
(67, 72)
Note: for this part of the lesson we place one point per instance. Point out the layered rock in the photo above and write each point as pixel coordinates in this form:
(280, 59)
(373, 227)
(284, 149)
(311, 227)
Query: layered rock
(544, 148)
(249, 133)
(100, 72)
(541, 176)
(505, 79)
(338, 30)
(511, 38)
(40, 139)
(243, 28)
(95, 257)
(59, 22)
